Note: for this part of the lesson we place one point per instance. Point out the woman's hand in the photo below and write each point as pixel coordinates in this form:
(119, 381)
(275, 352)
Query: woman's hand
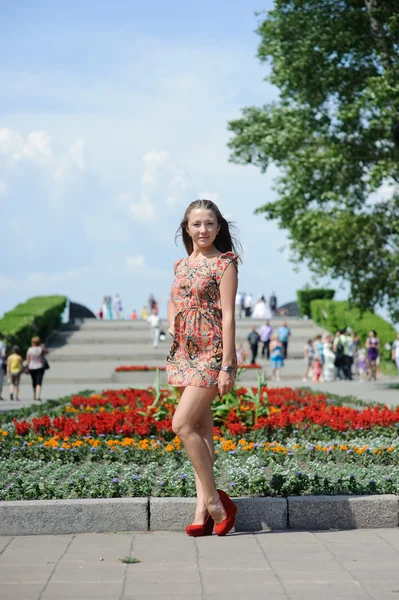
(172, 331)
(225, 382)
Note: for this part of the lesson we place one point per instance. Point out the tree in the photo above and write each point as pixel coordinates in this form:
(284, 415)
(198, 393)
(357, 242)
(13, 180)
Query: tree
(336, 65)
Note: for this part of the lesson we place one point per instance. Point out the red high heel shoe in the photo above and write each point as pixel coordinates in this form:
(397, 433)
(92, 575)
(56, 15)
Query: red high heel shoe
(231, 510)
(200, 530)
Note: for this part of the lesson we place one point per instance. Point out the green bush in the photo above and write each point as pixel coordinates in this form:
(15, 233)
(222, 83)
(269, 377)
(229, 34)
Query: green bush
(305, 297)
(37, 316)
(333, 315)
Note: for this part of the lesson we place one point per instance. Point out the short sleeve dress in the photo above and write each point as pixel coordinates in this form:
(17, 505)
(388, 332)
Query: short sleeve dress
(196, 354)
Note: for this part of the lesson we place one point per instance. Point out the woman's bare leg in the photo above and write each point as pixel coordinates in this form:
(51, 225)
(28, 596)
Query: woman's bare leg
(192, 410)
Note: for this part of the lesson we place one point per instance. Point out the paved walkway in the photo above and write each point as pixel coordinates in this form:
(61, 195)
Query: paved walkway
(332, 565)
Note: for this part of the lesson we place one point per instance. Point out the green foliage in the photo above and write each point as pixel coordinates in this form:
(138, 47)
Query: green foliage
(336, 66)
(333, 315)
(306, 296)
(39, 315)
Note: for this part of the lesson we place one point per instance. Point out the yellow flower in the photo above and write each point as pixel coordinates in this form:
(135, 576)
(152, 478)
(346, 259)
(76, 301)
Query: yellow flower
(169, 448)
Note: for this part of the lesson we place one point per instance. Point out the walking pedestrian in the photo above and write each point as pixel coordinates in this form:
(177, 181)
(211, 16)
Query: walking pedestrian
(276, 356)
(265, 333)
(273, 303)
(14, 371)
(395, 352)
(202, 359)
(361, 364)
(253, 340)
(36, 362)
(284, 334)
(3, 351)
(155, 324)
(248, 304)
(308, 353)
(238, 302)
(329, 369)
(373, 350)
(117, 307)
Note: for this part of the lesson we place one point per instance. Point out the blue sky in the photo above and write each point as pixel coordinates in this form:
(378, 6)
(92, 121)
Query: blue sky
(113, 117)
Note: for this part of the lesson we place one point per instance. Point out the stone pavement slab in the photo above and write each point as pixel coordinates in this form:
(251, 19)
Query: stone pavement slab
(289, 565)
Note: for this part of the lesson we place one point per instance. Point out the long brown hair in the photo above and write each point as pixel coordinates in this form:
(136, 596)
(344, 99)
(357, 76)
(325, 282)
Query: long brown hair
(225, 241)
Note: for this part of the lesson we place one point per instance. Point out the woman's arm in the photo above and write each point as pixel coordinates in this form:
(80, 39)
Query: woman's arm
(228, 291)
(171, 316)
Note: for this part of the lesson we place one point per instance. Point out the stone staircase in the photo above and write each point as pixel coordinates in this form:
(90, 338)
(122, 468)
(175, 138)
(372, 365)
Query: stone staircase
(89, 352)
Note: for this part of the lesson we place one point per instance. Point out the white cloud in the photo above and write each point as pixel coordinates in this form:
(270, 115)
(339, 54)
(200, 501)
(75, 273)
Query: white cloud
(37, 146)
(144, 210)
(3, 189)
(135, 262)
(74, 157)
(152, 163)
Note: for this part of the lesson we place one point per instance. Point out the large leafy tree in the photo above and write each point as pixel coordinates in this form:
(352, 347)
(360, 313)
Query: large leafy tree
(336, 65)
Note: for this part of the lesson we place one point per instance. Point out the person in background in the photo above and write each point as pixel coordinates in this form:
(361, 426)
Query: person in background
(317, 369)
(253, 340)
(241, 354)
(248, 304)
(308, 352)
(104, 308)
(155, 324)
(265, 333)
(151, 301)
(395, 352)
(242, 311)
(284, 334)
(36, 361)
(155, 308)
(109, 308)
(144, 313)
(117, 307)
(319, 347)
(273, 303)
(238, 301)
(3, 351)
(14, 371)
(340, 348)
(329, 370)
(276, 356)
(133, 316)
(261, 310)
(361, 364)
(373, 351)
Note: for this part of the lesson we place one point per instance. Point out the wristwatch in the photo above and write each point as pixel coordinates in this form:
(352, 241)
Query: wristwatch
(228, 369)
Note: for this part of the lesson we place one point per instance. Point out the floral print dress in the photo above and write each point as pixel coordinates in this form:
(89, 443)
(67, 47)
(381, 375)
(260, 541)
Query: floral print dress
(196, 354)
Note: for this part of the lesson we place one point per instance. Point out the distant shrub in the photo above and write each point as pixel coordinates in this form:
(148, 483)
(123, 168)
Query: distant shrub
(305, 297)
(39, 315)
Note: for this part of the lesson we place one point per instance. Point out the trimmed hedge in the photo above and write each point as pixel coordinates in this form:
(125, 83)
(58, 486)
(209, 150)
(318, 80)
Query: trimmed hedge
(333, 315)
(37, 316)
(305, 297)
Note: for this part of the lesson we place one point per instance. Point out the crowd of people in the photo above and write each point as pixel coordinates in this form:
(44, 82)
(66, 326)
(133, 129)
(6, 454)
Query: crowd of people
(245, 307)
(342, 356)
(111, 308)
(13, 367)
(274, 346)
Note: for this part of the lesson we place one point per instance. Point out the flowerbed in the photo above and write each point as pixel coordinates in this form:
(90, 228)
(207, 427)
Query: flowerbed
(136, 368)
(268, 442)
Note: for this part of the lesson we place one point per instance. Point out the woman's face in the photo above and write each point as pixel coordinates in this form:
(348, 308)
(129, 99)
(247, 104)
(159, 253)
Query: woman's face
(202, 227)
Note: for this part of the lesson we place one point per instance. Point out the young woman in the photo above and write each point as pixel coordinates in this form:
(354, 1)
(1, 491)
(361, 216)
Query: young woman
(373, 351)
(14, 371)
(202, 360)
(36, 361)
